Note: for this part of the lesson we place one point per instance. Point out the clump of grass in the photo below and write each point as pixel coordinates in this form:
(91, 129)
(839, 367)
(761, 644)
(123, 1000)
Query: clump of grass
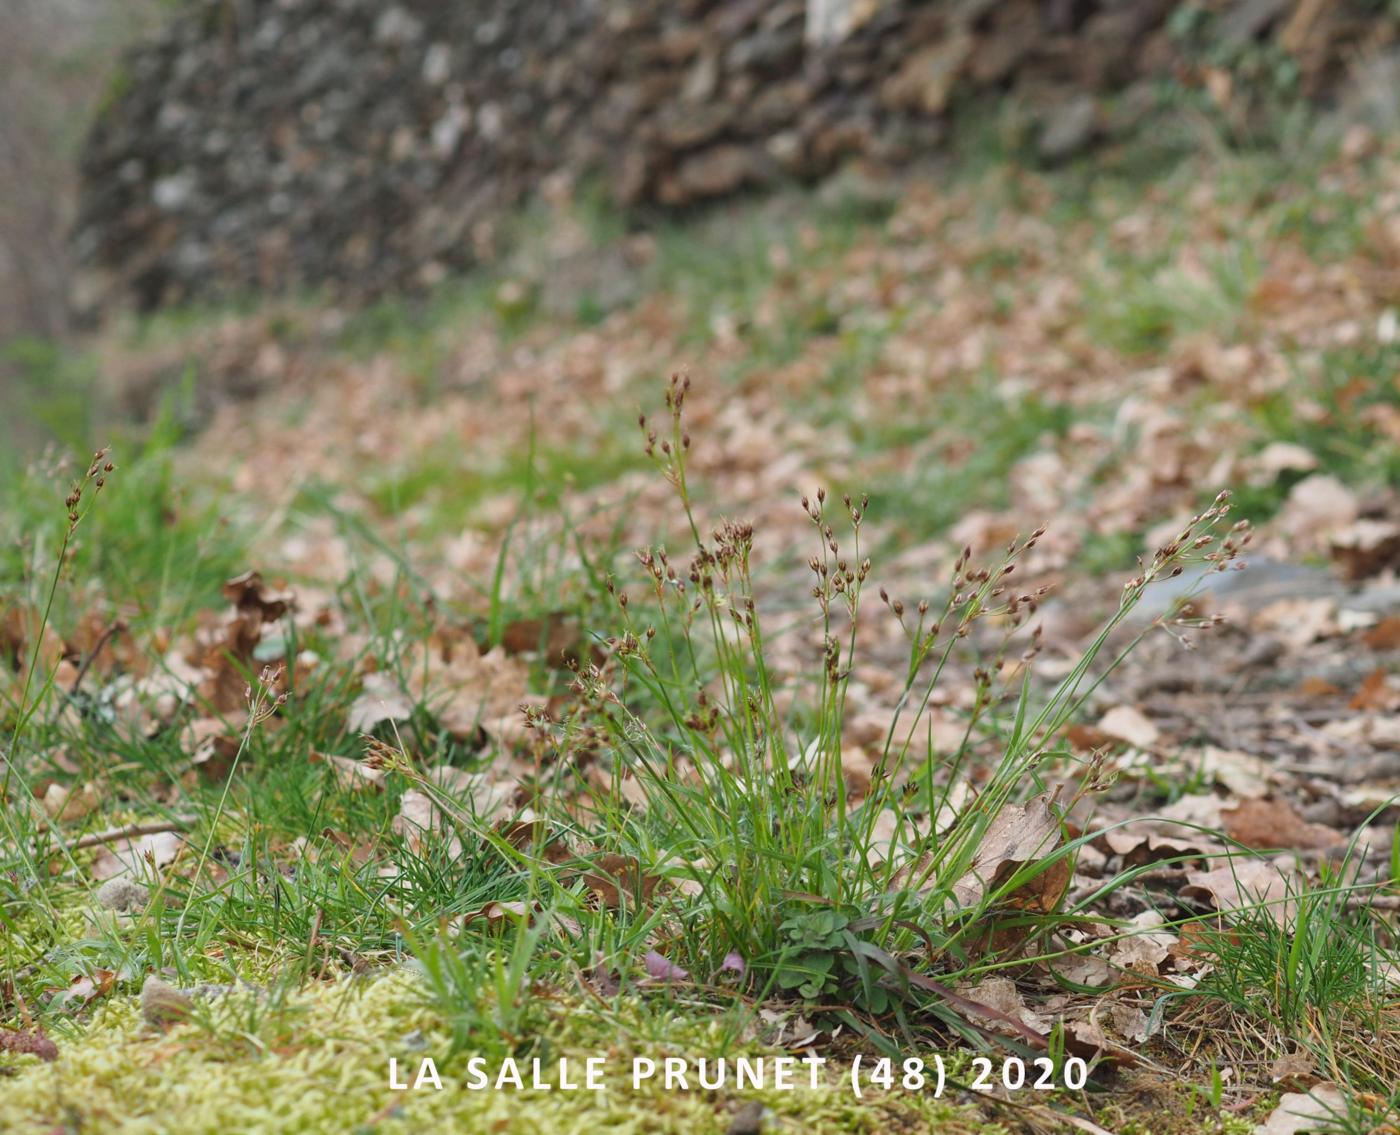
(23, 829)
(959, 465)
(1307, 972)
(1337, 407)
(1141, 311)
(847, 902)
(76, 506)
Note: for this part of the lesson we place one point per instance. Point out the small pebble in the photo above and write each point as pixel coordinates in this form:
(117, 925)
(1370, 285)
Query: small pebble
(163, 1004)
(123, 895)
(748, 1120)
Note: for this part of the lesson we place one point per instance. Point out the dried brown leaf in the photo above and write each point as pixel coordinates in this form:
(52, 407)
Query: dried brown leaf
(137, 856)
(1274, 824)
(618, 880)
(1019, 835)
(350, 775)
(250, 595)
(1297, 1112)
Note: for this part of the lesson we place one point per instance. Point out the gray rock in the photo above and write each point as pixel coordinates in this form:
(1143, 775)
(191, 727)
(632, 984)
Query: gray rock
(1373, 96)
(1378, 599)
(397, 26)
(437, 64)
(123, 895)
(1247, 20)
(712, 172)
(290, 134)
(1068, 129)
(162, 1004)
(1261, 582)
(174, 192)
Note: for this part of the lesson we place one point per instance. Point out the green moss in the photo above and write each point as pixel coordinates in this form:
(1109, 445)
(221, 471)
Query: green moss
(320, 1063)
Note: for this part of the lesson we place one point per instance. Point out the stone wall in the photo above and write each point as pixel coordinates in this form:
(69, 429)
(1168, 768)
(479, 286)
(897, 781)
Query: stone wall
(369, 145)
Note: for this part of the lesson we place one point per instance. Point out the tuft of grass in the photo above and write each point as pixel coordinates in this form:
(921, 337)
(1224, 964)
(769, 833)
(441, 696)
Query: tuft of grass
(160, 546)
(841, 900)
(1341, 406)
(956, 464)
(1141, 309)
(1309, 972)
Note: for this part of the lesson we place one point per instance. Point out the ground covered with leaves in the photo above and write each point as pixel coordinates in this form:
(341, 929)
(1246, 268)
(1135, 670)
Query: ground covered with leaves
(892, 689)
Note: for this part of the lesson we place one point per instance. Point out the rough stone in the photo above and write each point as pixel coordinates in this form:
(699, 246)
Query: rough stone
(1068, 128)
(361, 146)
(123, 895)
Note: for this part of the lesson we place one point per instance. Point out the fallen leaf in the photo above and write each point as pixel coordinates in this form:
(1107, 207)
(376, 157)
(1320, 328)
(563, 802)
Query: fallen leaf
(1264, 467)
(419, 816)
(227, 652)
(1365, 548)
(1020, 834)
(349, 774)
(557, 637)
(248, 593)
(661, 968)
(532, 835)
(66, 804)
(1088, 738)
(481, 795)
(1299, 622)
(619, 879)
(464, 689)
(1147, 948)
(1138, 847)
(786, 1030)
(137, 856)
(1125, 723)
(1293, 1066)
(1375, 693)
(1273, 824)
(1085, 969)
(1317, 1110)
(500, 912)
(1129, 1022)
(1385, 635)
(1241, 773)
(380, 699)
(213, 748)
(1380, 730)
(1239, 884)
(1000, 995)
(1317, 506)
(86, 987)
(601, 977)
(494, 913)
(1314, 687)
(856, 770)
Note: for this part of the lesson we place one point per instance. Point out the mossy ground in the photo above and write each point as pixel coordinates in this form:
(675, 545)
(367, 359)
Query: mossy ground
(320, 1062)
(826, 346)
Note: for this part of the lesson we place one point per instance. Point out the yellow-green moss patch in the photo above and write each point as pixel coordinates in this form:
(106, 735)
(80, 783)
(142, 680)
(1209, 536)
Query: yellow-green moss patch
(320, 1063)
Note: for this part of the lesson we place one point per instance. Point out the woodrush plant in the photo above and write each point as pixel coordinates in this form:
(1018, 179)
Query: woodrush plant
(24, 832)
(75, 508)
(818, 891)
